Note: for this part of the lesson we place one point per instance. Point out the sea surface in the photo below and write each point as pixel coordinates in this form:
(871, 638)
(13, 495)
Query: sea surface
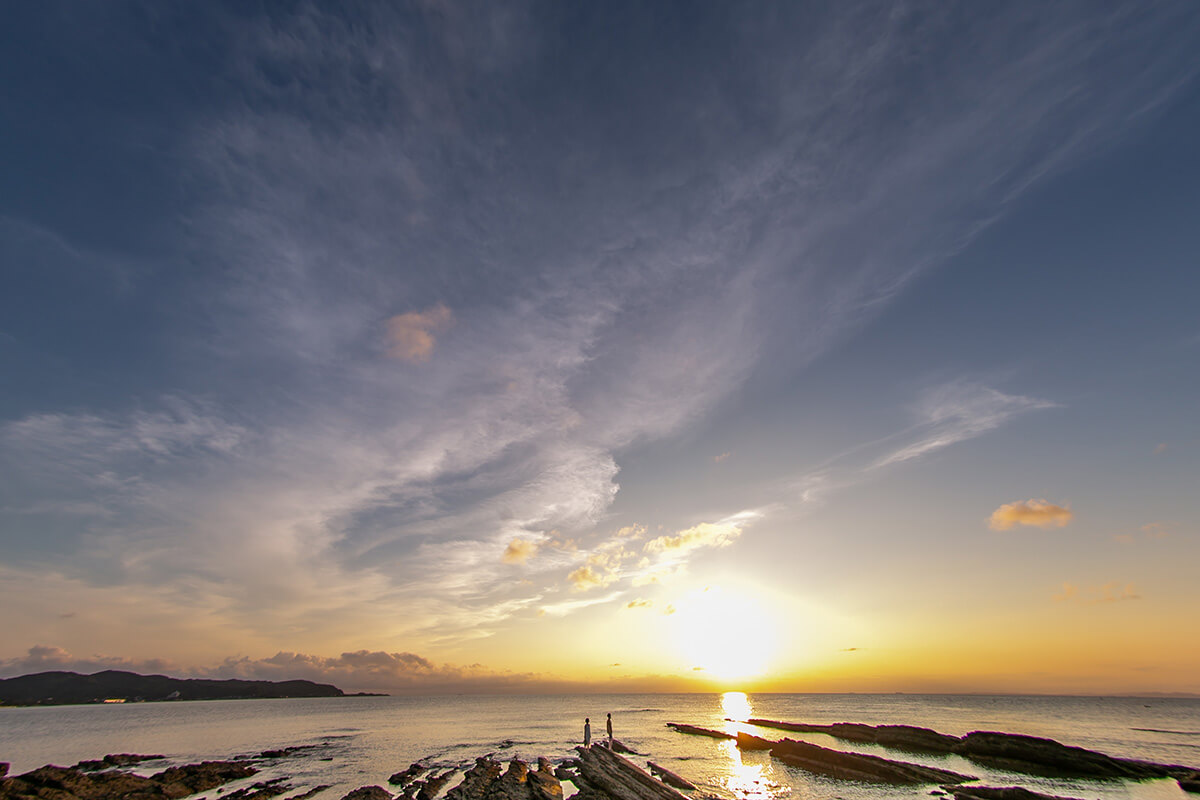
(363, 740)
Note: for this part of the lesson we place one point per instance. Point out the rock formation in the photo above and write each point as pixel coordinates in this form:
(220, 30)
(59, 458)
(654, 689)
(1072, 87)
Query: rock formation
(849, 766)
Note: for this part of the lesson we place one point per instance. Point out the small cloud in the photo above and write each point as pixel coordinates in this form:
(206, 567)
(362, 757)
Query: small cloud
(706, 534)
(849, 649)
(1069, 592)
(631, 532)
(615, 664)
(720, 458)
(585, 578)
(1112, 592)
(669, 610)
(1160, 448)
(1036, 513)
(640, 603)
(1157, 530)
(518, 551)
(410, 336)
(66, 615)
(697, 669)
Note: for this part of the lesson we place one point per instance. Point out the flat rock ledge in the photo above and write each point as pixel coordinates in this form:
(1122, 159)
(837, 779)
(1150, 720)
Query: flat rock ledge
(1004, 793)
(72, 783)
(850, 766)
(1030, 755)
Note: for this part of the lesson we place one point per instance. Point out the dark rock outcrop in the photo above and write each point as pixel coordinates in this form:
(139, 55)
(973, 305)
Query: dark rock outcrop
(697, 731)
(1005, 793)
(477, 780)
(115, 760)
(1009, 751)
(670, 778)
(606, 774)
(433, 784)
(406, 776)
(1189, 782)
(849, 766)
(1036, 756)
(368, 793)
(901, 737)
(311, 792)
(69, 783)
(486, 781)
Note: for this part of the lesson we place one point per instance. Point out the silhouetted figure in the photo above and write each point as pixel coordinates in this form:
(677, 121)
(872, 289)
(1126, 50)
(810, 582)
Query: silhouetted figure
(587, 732)
(609, 723)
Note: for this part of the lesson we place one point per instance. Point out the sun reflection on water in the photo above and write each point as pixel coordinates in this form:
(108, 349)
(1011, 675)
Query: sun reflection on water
(736, 706)
(744, 780)
(750, 781)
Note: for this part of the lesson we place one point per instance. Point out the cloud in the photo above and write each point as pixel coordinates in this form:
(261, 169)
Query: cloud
(1157, 530)
(719, 458)
(1160, 448)
(640, 603)
(1034, 513)
(586, 578)
(1112, 592)
(518, 551)
(300, 495)
(410, 336)
(955, 412)
(705, 534)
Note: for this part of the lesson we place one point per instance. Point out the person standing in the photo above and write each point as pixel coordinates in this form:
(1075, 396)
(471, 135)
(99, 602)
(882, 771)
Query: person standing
(587, 732)
(609, 724)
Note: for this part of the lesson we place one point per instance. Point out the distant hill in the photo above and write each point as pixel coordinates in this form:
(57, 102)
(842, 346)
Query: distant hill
(68, 688)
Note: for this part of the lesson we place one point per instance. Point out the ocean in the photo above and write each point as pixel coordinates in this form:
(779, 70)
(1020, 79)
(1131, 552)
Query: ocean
(363, 740)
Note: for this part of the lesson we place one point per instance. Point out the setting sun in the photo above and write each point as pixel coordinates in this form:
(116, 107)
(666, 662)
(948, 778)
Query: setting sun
(723, 634)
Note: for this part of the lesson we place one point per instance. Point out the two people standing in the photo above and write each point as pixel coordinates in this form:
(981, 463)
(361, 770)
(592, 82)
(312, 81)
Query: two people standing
(587, 732)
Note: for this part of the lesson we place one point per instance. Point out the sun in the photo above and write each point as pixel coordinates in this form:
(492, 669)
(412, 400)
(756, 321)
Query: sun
(723, 635)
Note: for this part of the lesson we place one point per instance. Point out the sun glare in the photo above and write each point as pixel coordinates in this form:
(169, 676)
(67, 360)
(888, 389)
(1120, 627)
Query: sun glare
(723, 635)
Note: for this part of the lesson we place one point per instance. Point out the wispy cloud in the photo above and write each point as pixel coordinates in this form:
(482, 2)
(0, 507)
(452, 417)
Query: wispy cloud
(1112, 592)
(297, 482)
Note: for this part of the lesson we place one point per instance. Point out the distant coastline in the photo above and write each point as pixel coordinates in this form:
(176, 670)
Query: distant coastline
(114, 686)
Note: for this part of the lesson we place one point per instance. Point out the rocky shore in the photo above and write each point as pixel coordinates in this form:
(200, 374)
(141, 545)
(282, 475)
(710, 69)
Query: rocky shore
(600, 773)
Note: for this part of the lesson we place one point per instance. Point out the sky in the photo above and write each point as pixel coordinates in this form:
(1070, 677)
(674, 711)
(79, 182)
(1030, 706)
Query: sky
(507, 347)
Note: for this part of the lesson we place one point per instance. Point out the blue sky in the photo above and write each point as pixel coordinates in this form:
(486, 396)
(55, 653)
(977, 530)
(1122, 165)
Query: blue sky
(433, 328)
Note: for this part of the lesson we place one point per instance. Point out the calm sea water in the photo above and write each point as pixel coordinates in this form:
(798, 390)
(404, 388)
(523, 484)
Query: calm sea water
(362, 740)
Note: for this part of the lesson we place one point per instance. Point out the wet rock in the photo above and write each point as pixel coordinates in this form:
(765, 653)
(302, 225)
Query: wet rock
(1036, 756)
(543, 785)
(284, 752)
(68, 783)
(849, 766)
(1189, 782)
(902, 737)
(310, 792)
(1005, 793)
(697, 731)
(406, 776)
(606, 773)
(261, 790)
(368, 793)
(116, 760)
(4, 765)
(670, 778)
(476, 781)
(182, 781)
(433, 784)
